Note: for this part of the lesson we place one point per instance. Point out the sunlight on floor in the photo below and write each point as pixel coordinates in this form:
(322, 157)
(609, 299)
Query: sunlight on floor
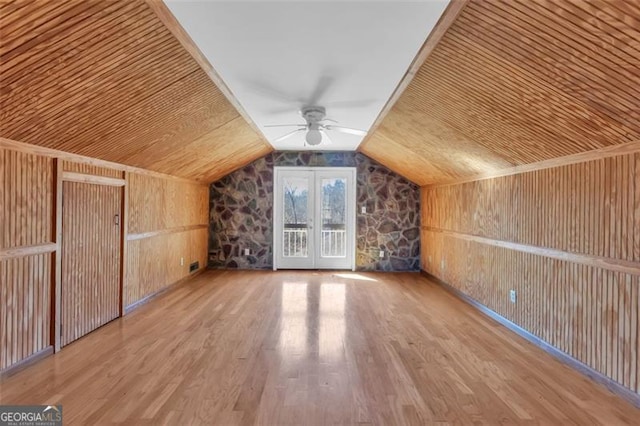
(293, 332)
(355, 277)
(332, 321)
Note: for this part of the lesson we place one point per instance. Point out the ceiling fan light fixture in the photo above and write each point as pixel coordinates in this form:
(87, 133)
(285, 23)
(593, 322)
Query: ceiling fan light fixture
(313, 137)
(315, 128)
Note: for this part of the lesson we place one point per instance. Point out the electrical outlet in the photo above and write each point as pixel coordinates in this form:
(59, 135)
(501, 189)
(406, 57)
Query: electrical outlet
(381, 254)
(512, 296)
(182, 261)
(363, 209)
(247, 252)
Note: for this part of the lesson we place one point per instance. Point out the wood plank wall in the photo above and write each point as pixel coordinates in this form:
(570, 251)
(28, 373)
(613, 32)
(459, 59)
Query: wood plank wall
(26, 244)
(567, 239)
(25, 296)
(167, 216)
(167, 223)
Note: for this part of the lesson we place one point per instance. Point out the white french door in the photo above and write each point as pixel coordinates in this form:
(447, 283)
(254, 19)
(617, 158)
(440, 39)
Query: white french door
(314, 218)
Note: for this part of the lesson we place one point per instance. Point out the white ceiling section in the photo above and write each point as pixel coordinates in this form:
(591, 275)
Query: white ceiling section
(277, 56)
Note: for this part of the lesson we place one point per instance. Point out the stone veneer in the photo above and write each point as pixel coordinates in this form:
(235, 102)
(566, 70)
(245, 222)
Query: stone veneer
(241, 213)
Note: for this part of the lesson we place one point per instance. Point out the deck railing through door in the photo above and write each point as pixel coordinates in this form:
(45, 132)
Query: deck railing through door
(333, 241)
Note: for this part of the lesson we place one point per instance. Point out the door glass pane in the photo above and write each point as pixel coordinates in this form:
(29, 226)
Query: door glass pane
(334, 215)
(295, 229)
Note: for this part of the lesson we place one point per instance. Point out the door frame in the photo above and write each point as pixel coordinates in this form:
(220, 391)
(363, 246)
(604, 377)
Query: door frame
(351, 215)
(60, 177)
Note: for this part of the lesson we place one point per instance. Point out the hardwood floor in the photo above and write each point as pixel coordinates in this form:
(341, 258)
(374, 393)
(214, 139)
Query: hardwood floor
(311, 348)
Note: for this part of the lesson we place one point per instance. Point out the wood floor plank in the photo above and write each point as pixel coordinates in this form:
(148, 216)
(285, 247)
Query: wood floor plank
(274, 348)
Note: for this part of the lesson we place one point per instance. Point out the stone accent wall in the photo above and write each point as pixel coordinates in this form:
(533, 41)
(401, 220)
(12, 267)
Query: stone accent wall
(240, 216)
(241, 213)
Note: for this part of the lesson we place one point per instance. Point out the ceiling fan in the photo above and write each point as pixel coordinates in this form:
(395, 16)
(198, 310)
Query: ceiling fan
(315, 126)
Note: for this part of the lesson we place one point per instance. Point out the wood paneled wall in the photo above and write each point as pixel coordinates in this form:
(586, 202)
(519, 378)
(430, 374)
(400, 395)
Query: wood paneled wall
(167, 225)
(567, 239)
(25, 306)
(26, 244)
(25, 193)
(167, 218)
(153, 263)
(157, 204)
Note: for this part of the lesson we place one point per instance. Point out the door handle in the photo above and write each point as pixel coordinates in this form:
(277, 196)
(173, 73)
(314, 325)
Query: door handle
(116, 219)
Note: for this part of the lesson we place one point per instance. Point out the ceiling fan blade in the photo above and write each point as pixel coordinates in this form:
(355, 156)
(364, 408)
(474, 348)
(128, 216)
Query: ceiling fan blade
(285, 125)
(348, 130)
(288, 135)
(282, 110)
(350, 104)
(320, 90)
(326, 140)
(273, 93)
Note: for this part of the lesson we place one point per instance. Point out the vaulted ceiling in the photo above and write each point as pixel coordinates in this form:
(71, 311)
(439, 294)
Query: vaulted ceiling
(510, 83)
(107, 79)
(279, 56)
(517, 82)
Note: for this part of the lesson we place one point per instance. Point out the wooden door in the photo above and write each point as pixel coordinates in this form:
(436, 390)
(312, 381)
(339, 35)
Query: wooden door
(91, 258)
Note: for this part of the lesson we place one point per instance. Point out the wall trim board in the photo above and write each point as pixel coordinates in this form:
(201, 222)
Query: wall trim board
(151, 234)
(166, 17)
(616, 388)
(76, 158)
(148, 298)
(596, 154)
(611, 264)
(56, 282)
(448, 17)
(22, 251)
(92, 179)
(123, 240)
(27, 362)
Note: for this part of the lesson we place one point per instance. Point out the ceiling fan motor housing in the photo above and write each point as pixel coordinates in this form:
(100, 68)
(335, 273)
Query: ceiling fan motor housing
(313, 114)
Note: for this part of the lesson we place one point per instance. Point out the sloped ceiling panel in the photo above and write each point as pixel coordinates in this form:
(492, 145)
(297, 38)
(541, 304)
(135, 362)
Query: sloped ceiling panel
(108, 80)
(514, 83)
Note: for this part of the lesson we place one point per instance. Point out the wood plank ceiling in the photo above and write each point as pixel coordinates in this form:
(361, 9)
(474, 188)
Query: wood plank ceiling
(514, 83)
(107, 79)
(510, 83)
